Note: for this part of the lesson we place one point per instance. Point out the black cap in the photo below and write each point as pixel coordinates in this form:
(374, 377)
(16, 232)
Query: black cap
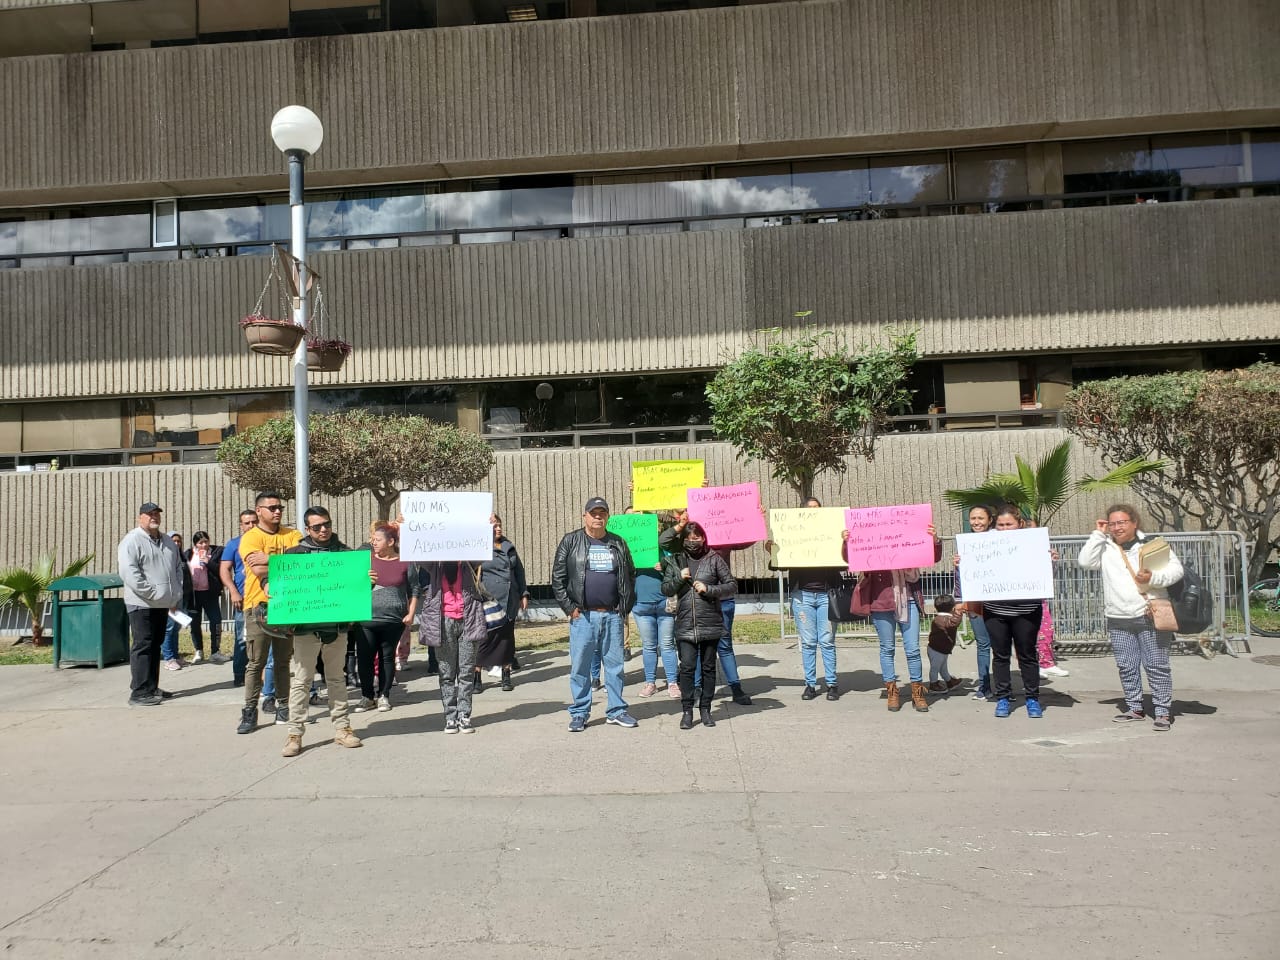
(596, 503)
(148, 507)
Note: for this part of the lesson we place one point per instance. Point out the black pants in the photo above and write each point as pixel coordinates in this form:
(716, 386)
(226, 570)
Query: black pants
(378, 639)
(1015, 634)
(690, 653)
(147, 627)
(206, 603)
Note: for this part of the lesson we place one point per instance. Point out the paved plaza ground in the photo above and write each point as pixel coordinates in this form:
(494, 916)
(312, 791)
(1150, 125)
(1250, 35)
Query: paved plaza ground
(791, 830)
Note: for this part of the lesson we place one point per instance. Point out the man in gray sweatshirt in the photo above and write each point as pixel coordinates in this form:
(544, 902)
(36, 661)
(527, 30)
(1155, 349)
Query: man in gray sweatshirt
(151, 569)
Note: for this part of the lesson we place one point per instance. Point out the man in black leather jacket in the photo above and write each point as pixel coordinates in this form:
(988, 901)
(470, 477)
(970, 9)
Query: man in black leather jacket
(594, 583)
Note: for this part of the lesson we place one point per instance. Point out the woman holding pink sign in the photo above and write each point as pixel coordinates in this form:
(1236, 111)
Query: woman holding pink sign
(895, 600)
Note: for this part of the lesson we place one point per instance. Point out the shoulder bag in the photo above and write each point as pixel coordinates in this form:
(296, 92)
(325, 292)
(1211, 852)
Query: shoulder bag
(1159, 611)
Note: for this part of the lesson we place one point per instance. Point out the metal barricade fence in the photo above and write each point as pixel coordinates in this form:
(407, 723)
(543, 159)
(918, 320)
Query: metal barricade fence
(1220, 557)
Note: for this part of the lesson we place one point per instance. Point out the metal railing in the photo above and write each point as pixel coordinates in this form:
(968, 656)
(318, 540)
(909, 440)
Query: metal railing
(582, 436)
(1220, 557)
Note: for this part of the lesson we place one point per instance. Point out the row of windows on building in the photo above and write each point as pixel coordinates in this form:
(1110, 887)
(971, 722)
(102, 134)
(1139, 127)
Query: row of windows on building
(532, 413)
(1172, 167)
(34, 31)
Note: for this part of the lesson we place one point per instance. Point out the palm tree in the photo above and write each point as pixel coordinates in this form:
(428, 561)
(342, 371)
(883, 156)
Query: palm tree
(30, 588)
(1042, 492)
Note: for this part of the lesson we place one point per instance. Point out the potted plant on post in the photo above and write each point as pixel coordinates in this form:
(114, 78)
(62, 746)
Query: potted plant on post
(267, 334)
(275, 337)
(327, 355)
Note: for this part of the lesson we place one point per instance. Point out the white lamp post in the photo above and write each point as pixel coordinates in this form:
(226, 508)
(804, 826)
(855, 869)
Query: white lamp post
(298, 133)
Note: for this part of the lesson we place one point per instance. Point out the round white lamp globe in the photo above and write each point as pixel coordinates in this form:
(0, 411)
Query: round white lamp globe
(297, 128)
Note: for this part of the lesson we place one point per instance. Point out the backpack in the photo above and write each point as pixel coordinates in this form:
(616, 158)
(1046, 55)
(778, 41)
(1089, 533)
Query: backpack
(1192, 602)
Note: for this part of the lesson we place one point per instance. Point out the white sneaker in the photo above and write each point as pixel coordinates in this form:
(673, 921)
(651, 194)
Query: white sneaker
(495, 672)
(173, 665)
(198, 657)
(1054, 671)
(399, 665)
(464, 725)
(364, 705)
(384, 705)
(219, 658)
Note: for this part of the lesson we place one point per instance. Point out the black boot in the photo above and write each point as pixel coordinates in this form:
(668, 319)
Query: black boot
(479, 682)
(248, 719)
(507, 685)
(706, 717)
(686, 721)
(740, 695)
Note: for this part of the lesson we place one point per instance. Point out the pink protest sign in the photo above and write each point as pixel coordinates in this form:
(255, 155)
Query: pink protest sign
(730, 515)
(889, 538)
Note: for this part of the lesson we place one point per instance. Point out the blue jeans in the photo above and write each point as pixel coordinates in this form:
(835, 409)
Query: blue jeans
(269, 675)
(724, 649)
(657, 634)
(886, 623)
(595, 634)
(984, 653)
(169, 648)
(239, 655)
(809, 610)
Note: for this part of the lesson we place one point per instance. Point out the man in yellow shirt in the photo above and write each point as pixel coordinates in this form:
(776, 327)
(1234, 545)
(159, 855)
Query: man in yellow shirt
(267, 538)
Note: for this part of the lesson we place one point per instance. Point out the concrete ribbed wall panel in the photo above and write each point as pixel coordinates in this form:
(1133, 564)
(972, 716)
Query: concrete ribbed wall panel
(540, 494)
(614, 92)
(1128, 276)
(1054, 280)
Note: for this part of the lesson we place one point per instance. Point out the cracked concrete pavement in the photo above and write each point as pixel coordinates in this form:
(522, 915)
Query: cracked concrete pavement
(792, 830)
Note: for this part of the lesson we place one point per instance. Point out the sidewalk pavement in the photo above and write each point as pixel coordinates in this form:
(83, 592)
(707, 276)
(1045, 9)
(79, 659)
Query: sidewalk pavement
(791, 830)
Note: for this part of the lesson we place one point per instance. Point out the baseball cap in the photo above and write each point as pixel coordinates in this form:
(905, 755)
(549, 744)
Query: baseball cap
(596, 503)
(149, 506)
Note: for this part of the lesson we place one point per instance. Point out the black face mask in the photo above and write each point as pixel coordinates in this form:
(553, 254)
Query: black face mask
(695, 548)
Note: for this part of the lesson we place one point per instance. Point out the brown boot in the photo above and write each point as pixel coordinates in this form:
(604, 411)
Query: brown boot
(346, 737)
(292, 746)
(895, 701)
(918, 698)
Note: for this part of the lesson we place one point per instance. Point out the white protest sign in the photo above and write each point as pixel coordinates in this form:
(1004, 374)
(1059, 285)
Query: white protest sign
(446, 526)
(1005, 565)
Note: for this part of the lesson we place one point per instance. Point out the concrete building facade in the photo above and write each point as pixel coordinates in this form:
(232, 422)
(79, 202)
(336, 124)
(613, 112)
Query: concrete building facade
(611, 206)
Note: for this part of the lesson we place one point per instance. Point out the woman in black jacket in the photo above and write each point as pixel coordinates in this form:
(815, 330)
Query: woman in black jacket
(701, 579)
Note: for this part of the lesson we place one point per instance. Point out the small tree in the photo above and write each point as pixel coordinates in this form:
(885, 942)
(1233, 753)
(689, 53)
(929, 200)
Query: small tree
(30, 588)
(804, 404)
(358, 450)
(1219, 431)
(1041, 492)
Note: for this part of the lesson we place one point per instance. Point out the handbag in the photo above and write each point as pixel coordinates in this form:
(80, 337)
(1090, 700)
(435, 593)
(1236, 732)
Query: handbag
(275, 631)
(840, 600)
(495, 614)
(1159, 611)
(672, 605)
(495, 611)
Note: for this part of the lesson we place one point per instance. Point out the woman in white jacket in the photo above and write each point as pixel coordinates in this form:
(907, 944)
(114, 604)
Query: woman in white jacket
(1137, 644)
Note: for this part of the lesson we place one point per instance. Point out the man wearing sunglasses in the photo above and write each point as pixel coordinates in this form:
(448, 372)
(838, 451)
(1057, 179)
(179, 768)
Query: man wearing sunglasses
(322, 642)
(265, 539)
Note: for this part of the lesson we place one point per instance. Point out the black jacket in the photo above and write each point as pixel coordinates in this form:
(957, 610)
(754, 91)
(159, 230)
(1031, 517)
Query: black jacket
(698, 614)
(569, 571)
(503, 577)
(213, 568)
(326, 631)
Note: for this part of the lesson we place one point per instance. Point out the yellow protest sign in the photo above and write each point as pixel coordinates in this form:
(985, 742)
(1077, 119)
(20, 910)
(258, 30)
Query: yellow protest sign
(664, 484)
(807, 537)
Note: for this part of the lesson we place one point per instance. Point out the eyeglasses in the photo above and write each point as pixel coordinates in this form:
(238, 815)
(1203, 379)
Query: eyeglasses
(1119, 523)
(273, 507)
(317, 527)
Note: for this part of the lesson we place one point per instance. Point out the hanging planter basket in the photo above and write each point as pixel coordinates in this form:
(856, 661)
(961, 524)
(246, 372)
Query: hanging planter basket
(326, 356)
(274, 337)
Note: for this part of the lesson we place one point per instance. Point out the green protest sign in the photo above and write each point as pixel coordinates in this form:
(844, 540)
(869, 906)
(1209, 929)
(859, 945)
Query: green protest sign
(640, 530)
(319, 587)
